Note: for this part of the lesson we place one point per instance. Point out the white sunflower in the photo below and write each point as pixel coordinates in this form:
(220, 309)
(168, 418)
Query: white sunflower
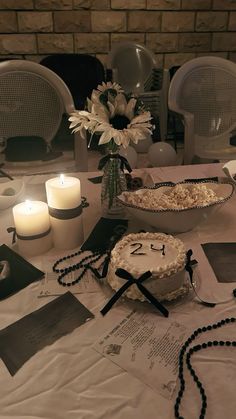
(113, 115)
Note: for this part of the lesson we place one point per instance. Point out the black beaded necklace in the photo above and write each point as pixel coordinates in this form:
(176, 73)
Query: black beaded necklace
(189, 354)
(84, 264)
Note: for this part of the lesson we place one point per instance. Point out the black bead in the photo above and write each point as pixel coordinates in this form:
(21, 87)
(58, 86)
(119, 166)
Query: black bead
(197, 347)
(202, 391)
(182, 384)
(191, 370)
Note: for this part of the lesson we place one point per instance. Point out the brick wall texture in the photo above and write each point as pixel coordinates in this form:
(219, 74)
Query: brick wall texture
(175, 30)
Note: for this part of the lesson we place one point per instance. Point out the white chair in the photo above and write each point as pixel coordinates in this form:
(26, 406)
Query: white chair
(156, 100)
(203, 91)
(33, 100)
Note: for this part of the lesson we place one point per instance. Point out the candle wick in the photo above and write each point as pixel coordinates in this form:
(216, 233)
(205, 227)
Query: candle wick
(28, 205)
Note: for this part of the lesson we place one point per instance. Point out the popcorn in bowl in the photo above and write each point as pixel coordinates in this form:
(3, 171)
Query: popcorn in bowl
(176, 208)
(177, 197)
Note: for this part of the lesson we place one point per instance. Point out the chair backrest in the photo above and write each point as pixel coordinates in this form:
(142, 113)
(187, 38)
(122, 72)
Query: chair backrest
(32, 100)
(132, 65)
(81, 72)
(156, 101)
(203, 90)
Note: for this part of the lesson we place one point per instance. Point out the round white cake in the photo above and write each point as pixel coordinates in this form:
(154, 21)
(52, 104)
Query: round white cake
(161, 254)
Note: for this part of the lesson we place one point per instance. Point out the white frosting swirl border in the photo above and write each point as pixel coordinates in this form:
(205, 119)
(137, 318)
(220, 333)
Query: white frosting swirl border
(171, 272)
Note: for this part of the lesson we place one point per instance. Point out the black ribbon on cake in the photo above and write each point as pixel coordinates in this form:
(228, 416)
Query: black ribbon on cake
(19, 236)
(124, 164)
(122, 273)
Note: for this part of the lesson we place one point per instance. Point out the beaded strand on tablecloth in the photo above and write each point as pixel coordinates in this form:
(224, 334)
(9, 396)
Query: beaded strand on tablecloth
(84, 263)
(191, 351)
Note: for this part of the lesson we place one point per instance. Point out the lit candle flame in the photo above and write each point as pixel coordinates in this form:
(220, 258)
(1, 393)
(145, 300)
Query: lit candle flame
(28, 205)
(62, 179)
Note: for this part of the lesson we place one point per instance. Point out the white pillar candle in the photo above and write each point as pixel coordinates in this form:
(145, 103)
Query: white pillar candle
(64, 201)
(32, 224)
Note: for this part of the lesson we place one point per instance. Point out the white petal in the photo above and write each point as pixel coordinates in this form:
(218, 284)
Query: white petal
(120, 104)
(103, 127)
(143, 117)
(105, 137)
(111, 109)
(129, 112)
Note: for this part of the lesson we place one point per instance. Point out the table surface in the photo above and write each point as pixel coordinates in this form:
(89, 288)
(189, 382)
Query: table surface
(69, 379)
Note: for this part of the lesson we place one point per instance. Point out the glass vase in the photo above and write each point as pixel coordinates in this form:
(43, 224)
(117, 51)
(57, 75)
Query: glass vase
(113, 184)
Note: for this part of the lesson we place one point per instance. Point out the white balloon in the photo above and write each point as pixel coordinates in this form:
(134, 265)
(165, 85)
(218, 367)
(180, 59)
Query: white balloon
(143, 145)
(162, 154)
(130, 154)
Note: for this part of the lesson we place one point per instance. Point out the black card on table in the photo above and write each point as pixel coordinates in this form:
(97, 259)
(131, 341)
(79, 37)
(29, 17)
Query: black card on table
(221, 257)
(96, 179)
(24, 338)
(105, 231)
(22, 273)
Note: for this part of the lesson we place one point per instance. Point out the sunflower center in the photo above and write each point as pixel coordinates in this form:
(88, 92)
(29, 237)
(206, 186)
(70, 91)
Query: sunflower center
(119, 122)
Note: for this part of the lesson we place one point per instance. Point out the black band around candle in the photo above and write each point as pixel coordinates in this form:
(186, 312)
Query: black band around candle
(65, 214)
(20, 237)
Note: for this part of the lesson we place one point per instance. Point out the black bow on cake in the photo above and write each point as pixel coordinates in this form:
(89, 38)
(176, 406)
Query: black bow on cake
(122, 273)
(124, 164)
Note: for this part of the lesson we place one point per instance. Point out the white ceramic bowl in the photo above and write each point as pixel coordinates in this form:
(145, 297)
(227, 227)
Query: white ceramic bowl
(11, 192)
(229, 169)
(178, 220)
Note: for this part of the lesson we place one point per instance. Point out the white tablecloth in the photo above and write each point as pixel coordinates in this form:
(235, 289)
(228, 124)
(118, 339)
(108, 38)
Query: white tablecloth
(70, 380)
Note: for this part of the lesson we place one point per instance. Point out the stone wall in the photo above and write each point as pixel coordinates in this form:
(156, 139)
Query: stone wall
(175, 30)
